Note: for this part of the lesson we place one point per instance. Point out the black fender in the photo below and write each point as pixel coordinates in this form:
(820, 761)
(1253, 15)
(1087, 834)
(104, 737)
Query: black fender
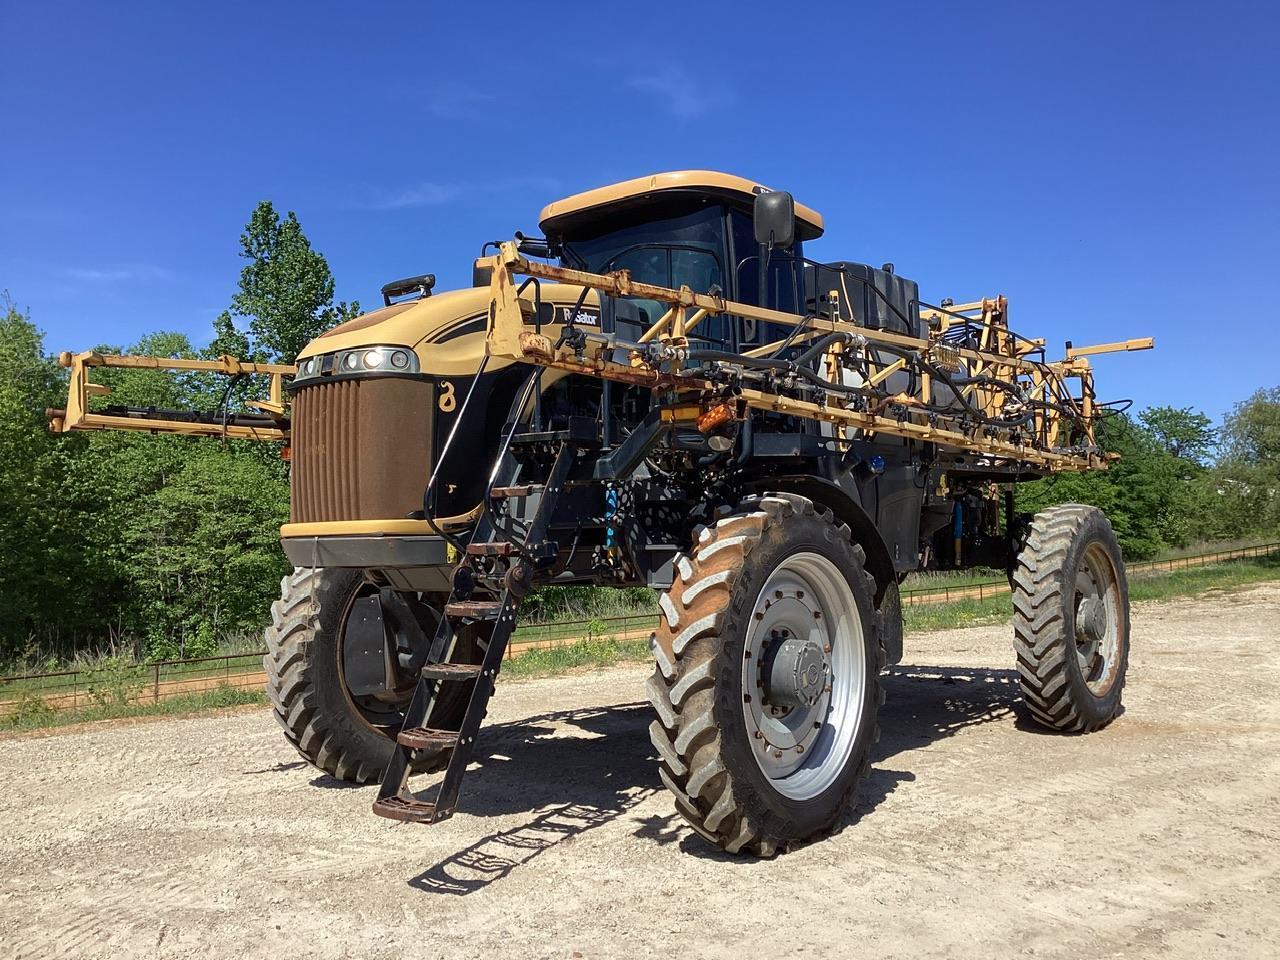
(845, 503)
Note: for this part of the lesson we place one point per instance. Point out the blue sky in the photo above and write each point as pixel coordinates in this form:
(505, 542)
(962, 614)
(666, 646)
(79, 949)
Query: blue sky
(1110, 167)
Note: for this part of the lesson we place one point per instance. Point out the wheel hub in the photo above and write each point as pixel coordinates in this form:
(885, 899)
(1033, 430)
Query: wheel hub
(795, 671)
(803, 676)
(1096, 639)
(1091, 619)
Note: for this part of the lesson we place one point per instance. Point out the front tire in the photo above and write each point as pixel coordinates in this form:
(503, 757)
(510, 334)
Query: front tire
(1071, 619)
(767, 682)
(340, 733)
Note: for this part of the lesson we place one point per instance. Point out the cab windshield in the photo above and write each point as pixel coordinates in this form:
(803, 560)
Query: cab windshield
(672, 250)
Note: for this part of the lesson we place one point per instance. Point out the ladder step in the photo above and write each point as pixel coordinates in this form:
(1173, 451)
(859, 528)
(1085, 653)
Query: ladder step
(506, 493)
(408, 810)
(493, 548)
(425, 738)
(451, 671)
(474, 609)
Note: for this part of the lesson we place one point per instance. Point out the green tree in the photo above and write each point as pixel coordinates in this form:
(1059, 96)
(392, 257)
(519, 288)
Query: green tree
(1247, 479)
(1184, 433)
(52, 585)
(286, 289)
(1144, 493)
(1251, 432)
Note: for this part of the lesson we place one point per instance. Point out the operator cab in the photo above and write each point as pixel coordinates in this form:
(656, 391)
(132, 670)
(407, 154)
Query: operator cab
(689, 228)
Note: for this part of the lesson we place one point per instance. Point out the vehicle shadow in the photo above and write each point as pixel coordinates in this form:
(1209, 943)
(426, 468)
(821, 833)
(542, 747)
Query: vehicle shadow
(573, 783)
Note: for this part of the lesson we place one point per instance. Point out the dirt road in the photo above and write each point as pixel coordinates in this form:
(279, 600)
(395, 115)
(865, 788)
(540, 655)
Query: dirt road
(976, 835)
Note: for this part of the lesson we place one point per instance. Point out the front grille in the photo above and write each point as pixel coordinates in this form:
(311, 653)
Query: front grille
(361, 449)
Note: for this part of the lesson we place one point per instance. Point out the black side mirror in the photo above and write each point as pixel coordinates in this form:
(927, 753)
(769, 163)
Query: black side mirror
(774, 218)
(480, 276)
(532, 246)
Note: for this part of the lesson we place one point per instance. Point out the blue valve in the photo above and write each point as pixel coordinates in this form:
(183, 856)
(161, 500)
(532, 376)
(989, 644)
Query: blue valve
(876, 464)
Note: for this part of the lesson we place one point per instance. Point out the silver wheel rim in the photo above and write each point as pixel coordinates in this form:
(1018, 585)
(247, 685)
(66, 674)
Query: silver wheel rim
(803, 749)
(1097, 618)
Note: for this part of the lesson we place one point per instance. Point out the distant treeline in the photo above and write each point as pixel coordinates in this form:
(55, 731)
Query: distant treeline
(160, 546)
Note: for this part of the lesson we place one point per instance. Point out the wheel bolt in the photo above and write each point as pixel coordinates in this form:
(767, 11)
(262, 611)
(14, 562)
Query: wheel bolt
(799, 748)
(759, 735)
(777, 754)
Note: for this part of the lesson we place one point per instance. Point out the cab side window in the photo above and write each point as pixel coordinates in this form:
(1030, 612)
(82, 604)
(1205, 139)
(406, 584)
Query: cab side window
(785, 278)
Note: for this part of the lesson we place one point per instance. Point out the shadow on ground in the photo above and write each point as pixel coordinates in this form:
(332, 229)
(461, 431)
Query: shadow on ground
(576, 770)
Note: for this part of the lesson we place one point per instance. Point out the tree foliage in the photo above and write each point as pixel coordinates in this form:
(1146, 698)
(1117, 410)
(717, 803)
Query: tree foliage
(286, 289)
(160, 544)
(1247, 482)
(1165, 492)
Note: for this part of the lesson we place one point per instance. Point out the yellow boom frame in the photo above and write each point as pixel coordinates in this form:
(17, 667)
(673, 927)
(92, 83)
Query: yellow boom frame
(1052, 443)
(78, 416)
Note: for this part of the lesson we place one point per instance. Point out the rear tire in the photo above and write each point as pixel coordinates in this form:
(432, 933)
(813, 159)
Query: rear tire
(1071, 619)
(306, 687)
(773, 573)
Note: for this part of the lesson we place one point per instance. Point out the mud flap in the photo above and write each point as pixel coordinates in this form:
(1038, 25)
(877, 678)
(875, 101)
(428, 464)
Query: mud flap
(365, 649)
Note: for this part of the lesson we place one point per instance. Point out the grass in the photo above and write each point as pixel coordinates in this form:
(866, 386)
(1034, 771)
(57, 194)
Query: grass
(937, 579)
(605, 650)
(585, 653)
(34, 714)
(1180, 583)
(1153, 585)
(924, 617)
(555, 604)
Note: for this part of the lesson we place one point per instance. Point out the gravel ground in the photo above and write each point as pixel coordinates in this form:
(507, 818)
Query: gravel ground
(976, 835)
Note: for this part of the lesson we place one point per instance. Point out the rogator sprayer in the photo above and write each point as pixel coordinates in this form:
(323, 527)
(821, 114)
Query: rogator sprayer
(665, 390)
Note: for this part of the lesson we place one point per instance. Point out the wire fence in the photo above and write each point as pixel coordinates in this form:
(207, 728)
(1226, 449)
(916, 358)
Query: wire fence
(995, 588)
(115, 684)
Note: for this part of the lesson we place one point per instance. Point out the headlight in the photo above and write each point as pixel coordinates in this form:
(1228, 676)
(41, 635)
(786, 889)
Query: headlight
(388, 359)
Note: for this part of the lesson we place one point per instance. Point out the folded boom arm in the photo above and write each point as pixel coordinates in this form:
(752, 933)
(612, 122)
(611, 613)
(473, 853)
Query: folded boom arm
(270, 423)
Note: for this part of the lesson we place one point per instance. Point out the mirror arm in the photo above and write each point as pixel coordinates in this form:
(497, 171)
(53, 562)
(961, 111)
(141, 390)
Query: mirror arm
(766, 250)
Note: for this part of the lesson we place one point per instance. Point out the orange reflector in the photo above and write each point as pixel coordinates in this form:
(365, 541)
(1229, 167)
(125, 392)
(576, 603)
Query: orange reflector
(715, 417)
(286, 453)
